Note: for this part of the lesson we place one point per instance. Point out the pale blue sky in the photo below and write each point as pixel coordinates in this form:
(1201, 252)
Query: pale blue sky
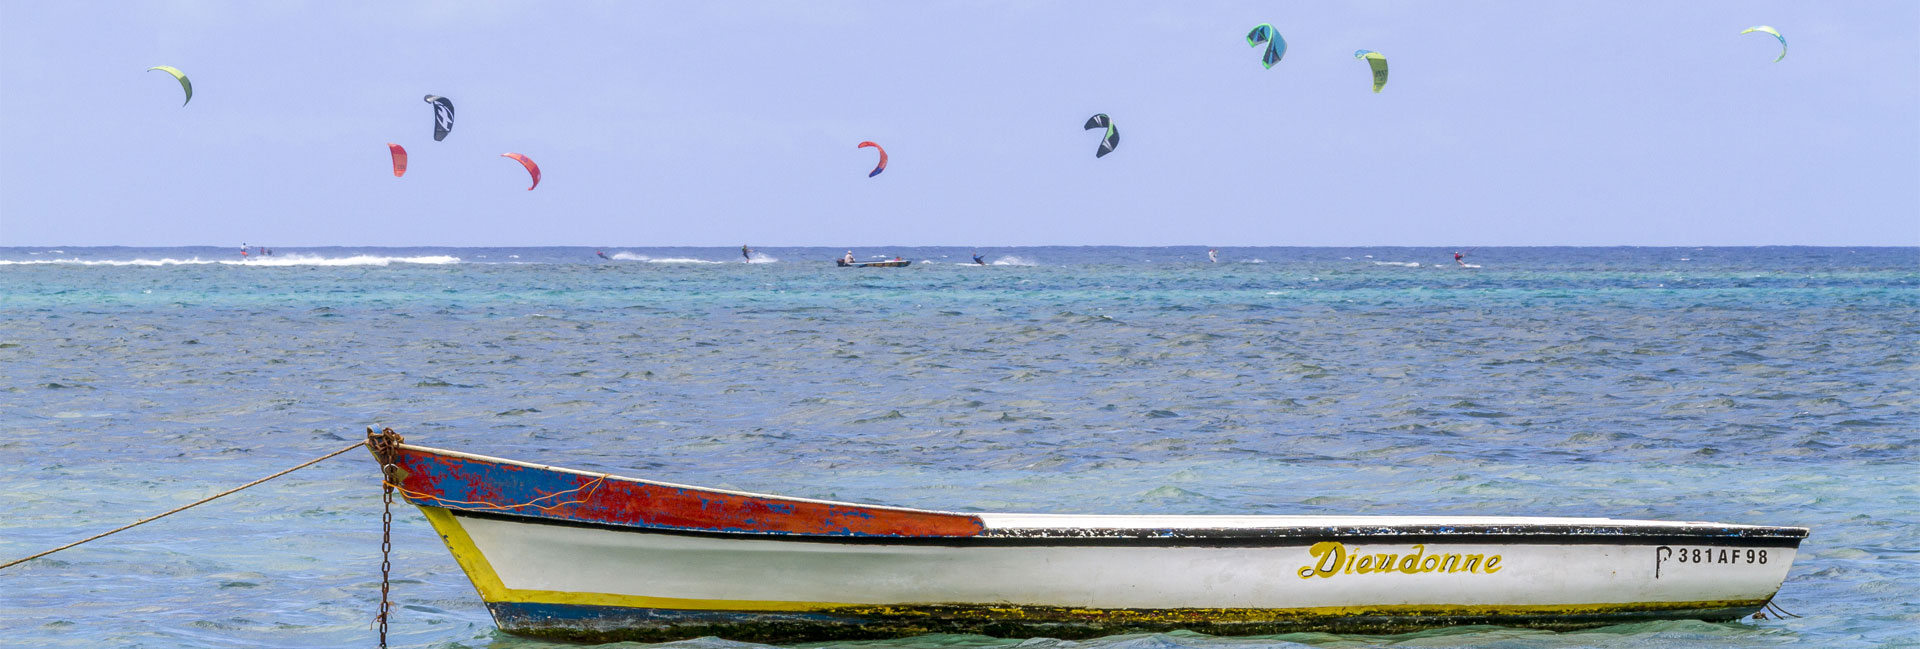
(691, 123)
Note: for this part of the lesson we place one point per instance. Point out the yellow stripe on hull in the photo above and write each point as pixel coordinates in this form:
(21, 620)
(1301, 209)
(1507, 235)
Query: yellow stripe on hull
(487, 582)
(491, 589)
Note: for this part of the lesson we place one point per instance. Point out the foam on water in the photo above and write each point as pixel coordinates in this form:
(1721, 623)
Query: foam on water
(628, 256)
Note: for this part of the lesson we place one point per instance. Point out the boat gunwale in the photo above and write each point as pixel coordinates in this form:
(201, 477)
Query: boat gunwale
(1268, 537)
(1078, 529)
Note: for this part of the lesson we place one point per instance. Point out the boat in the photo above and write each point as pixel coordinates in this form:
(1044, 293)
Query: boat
(891, 263)
(581, 556)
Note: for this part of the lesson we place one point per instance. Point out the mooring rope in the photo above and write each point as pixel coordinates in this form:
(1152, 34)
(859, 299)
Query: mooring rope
(182, 508)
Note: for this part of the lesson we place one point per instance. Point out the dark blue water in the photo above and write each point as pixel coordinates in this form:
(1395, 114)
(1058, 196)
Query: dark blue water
(1748, 385)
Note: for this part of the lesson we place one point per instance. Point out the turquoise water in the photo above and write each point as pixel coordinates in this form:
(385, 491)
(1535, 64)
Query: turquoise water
(1748, 385)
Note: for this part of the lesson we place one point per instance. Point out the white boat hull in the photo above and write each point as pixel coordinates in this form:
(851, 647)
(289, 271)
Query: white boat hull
(663, 569)
(650, 561)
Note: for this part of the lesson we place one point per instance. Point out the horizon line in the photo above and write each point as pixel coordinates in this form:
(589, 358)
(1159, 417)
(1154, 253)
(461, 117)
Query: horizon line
(1915, 244)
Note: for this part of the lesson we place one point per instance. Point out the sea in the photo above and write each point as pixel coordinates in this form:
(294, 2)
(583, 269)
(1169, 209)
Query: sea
(1771, 385)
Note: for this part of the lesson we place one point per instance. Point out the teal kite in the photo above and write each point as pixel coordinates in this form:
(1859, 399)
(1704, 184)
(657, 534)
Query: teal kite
(1276, 46)
(1379, 65)
(1776, 34)
(177, 74)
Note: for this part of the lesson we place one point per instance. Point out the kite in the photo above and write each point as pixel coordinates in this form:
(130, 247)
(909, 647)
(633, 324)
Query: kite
(1749, 30)
(1110, 140)
(399, 159)
(532, 169)
(1276, 46)
(442, 116)
(177, 74)
(883, 158)
(1379, 65)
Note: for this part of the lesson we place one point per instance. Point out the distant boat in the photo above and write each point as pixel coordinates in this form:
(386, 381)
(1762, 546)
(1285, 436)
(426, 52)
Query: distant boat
(896, 263)
(591, 557)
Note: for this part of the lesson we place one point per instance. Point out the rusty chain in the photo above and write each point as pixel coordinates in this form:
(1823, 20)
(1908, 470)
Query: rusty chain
(381, 444)
(386, 549)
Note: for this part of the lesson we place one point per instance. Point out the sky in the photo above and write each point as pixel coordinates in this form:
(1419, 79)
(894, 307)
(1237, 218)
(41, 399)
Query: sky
(721, 123)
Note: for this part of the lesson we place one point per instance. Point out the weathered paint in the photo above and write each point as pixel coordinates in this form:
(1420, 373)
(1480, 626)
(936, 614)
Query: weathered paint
(456, 482)
(664, 552)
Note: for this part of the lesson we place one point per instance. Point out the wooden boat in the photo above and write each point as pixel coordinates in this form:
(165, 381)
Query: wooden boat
(580, 556)
(895, 263)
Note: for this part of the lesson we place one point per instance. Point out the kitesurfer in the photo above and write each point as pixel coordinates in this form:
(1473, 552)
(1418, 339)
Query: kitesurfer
(243, 251)
(602, 255)
(978, 260)
(1213, 255)
(746, 252)
(1459, 258)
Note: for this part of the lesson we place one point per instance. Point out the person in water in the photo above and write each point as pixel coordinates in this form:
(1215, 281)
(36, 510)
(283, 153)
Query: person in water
(746, 252)
(978, 260)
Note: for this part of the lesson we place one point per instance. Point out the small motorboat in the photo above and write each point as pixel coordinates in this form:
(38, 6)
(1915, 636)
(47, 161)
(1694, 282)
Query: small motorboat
(892, 263)
(584, 556)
